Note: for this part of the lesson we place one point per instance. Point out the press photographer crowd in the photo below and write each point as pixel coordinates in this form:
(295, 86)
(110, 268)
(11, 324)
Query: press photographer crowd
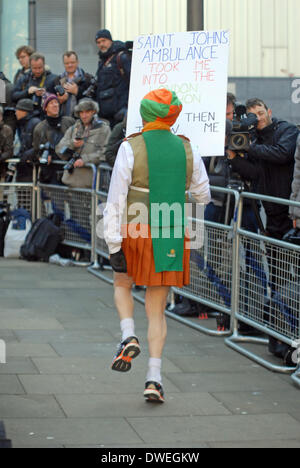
(79, 118)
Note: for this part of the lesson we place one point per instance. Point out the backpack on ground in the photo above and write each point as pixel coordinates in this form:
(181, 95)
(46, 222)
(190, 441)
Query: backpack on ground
(43, 239)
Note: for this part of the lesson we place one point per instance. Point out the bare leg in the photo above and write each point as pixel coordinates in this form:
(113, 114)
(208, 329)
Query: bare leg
(124, 302)
(156, 300)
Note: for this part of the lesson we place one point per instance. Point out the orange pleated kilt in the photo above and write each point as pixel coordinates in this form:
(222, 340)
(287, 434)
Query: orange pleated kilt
(140, 260)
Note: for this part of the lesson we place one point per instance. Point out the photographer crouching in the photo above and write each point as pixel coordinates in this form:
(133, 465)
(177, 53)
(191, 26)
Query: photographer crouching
(269, 164)
(84, 143)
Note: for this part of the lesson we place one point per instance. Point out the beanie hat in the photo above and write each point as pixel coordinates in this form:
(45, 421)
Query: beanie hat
(48, 98)
(86, 105)
(161, 105)
(26, 105)
(105, 33)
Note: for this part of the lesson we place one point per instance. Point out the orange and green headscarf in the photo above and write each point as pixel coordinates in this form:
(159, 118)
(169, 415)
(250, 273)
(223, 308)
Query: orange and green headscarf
(161, 106)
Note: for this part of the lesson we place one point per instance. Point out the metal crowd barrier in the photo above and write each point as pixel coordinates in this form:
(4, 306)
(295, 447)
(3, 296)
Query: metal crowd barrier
(267, 274)
(20, 194)
(76, 207)
(211, 269)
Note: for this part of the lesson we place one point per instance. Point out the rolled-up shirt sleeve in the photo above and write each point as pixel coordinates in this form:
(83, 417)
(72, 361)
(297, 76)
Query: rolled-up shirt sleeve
(117, 197)
(199, 188)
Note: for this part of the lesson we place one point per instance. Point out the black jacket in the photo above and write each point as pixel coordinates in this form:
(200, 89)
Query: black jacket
(20, 91)
(113, 76)
(26, 128)
(270, 163)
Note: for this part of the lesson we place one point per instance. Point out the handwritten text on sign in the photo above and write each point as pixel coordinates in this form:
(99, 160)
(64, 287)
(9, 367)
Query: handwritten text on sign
(194, 65)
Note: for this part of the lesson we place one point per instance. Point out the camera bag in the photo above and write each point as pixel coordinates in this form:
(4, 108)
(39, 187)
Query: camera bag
(43, 239)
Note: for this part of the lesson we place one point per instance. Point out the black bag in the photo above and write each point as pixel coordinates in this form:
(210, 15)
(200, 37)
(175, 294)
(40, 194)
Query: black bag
(4, 223)
(42, 240)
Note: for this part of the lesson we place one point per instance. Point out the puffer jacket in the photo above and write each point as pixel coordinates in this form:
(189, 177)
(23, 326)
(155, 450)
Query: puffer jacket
(295, 196)
(92, 152)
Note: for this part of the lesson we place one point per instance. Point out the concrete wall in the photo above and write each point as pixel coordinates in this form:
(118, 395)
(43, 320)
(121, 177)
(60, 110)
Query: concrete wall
(282, 95)
(14, 32)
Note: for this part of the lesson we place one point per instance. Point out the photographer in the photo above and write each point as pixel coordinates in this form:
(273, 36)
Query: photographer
(34, 84)
(28, 119)
(49, 132)
(270, 162)
(85, 143)
(6, 147)
(113, 76)
(71, 84)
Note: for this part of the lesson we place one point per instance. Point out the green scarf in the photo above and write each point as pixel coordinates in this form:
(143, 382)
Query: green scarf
(167, 180)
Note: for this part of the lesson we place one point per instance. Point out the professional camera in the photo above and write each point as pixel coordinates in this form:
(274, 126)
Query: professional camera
(45, 153)
(91, 90)
(70, 164)
(242, 126)
(59, 90)
(73, 155)
(11, 170)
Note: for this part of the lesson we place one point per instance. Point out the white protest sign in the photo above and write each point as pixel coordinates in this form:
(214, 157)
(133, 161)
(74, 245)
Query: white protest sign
(194, 65)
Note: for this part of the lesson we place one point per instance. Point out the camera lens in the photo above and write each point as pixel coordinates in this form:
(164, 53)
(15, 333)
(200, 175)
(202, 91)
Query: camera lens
(239, 141)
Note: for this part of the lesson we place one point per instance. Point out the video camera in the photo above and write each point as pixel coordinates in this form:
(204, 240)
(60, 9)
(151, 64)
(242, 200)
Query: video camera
(242, 126)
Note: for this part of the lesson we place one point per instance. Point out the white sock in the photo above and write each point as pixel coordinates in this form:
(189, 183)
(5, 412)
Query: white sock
(154, 367)
(127, 328)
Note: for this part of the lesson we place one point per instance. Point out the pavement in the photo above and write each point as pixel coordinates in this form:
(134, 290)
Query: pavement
(60, 329)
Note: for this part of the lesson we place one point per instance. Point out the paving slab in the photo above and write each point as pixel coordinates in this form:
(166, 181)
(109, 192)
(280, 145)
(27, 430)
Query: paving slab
(128, 404)
(57, 389)
(70, 431)
(29, 406)
(107, 383)
(217, 428)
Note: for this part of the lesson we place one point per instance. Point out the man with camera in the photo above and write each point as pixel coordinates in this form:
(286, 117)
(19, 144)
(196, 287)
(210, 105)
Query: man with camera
(47, 135)
(71, 84)
(83, 143)
(113, 76)
(269, 163)
(36, 83)
(6, 147)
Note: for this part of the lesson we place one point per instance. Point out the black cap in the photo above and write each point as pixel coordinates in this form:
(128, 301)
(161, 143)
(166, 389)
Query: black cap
(105, 33)
(25, 105)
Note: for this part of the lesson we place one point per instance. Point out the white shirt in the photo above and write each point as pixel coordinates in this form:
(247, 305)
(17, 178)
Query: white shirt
(121, 180)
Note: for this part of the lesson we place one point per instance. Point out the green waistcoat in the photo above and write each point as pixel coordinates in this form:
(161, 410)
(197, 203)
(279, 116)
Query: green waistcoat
(168, 253)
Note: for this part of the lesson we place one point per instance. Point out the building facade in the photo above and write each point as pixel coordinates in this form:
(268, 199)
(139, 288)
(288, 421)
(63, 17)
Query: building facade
(264, 39)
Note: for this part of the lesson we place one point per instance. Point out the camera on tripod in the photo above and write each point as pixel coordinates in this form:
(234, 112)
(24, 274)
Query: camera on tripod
(242, 126)
(45, 153)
